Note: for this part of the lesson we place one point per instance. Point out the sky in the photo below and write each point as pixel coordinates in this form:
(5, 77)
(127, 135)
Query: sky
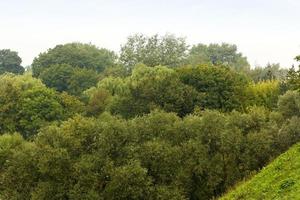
(264, 30)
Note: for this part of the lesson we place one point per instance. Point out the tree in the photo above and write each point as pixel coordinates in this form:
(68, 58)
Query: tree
(156, 156)
(289, 104)
(224, 54)
(26, 105)
(37, 107)
(115, 71)
(150, 88)
(264, 93)
(220, 87)
(80, 80)
(76, 55)
(270, 72)
(155, 50)
(98, 100)
(57, 76)
(10, 62)
(292, 80)
(73, 80)
(157, 125)
(289, 133)
(18, 171)
(129, 182)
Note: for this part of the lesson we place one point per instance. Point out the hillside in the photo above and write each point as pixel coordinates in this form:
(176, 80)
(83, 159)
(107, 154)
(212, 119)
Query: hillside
(279, 180)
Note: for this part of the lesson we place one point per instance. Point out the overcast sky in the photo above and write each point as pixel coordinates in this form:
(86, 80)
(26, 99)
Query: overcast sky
(264, 30)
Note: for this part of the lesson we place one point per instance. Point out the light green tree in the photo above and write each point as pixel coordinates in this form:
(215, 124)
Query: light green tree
(216, 54)
(155, 50)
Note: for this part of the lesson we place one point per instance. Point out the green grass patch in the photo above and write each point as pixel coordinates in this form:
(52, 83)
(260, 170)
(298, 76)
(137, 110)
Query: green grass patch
(279, 180)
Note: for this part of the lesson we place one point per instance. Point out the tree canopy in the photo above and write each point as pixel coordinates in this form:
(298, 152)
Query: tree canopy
(73, 80)
(162, 122)
(167, 50)
(158, 155)
(220, 87)
(26, 105)
(216, 54)
(79, 55)
(10, 62)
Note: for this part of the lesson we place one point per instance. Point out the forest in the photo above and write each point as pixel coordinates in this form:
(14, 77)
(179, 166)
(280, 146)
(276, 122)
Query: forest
(159, 120)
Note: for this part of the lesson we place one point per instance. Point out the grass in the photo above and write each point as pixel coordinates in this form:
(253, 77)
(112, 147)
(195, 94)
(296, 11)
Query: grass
(279, 180)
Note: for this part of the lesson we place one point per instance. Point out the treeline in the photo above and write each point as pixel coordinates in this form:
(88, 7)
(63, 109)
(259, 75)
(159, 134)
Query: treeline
(158, 121)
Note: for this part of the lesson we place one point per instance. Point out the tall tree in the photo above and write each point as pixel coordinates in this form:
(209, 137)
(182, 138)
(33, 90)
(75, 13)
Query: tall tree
(73, 80)
(76, 55)
(216, 54)
(270, 72)
(292, 81)
(289, 104)
(155, 50)
(149, 88)
(10, 62)
(220, 87)
(26, 105)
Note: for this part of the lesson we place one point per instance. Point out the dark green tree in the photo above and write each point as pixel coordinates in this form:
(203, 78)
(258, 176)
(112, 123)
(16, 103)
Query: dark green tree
(73, 80)
(292, 81)
(76, 55)
(10, 62)
(57, 76)
(219, 86)
(129, 182)
(150, 88)
(289, 104)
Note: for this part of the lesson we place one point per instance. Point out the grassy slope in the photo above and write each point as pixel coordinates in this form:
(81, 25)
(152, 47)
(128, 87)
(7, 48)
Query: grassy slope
(279, 180)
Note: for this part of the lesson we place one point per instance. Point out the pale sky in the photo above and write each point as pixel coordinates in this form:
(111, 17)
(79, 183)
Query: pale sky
(264, 30)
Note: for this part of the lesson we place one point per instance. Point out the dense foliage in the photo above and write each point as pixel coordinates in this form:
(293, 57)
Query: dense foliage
(27, 105)
(72, 67)
(268, 73)
(156, 156)
(167, 50)
(10, 62)
(224, 54)
(75, 54)
(162, 122)
(73, 80)
(219, 86)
